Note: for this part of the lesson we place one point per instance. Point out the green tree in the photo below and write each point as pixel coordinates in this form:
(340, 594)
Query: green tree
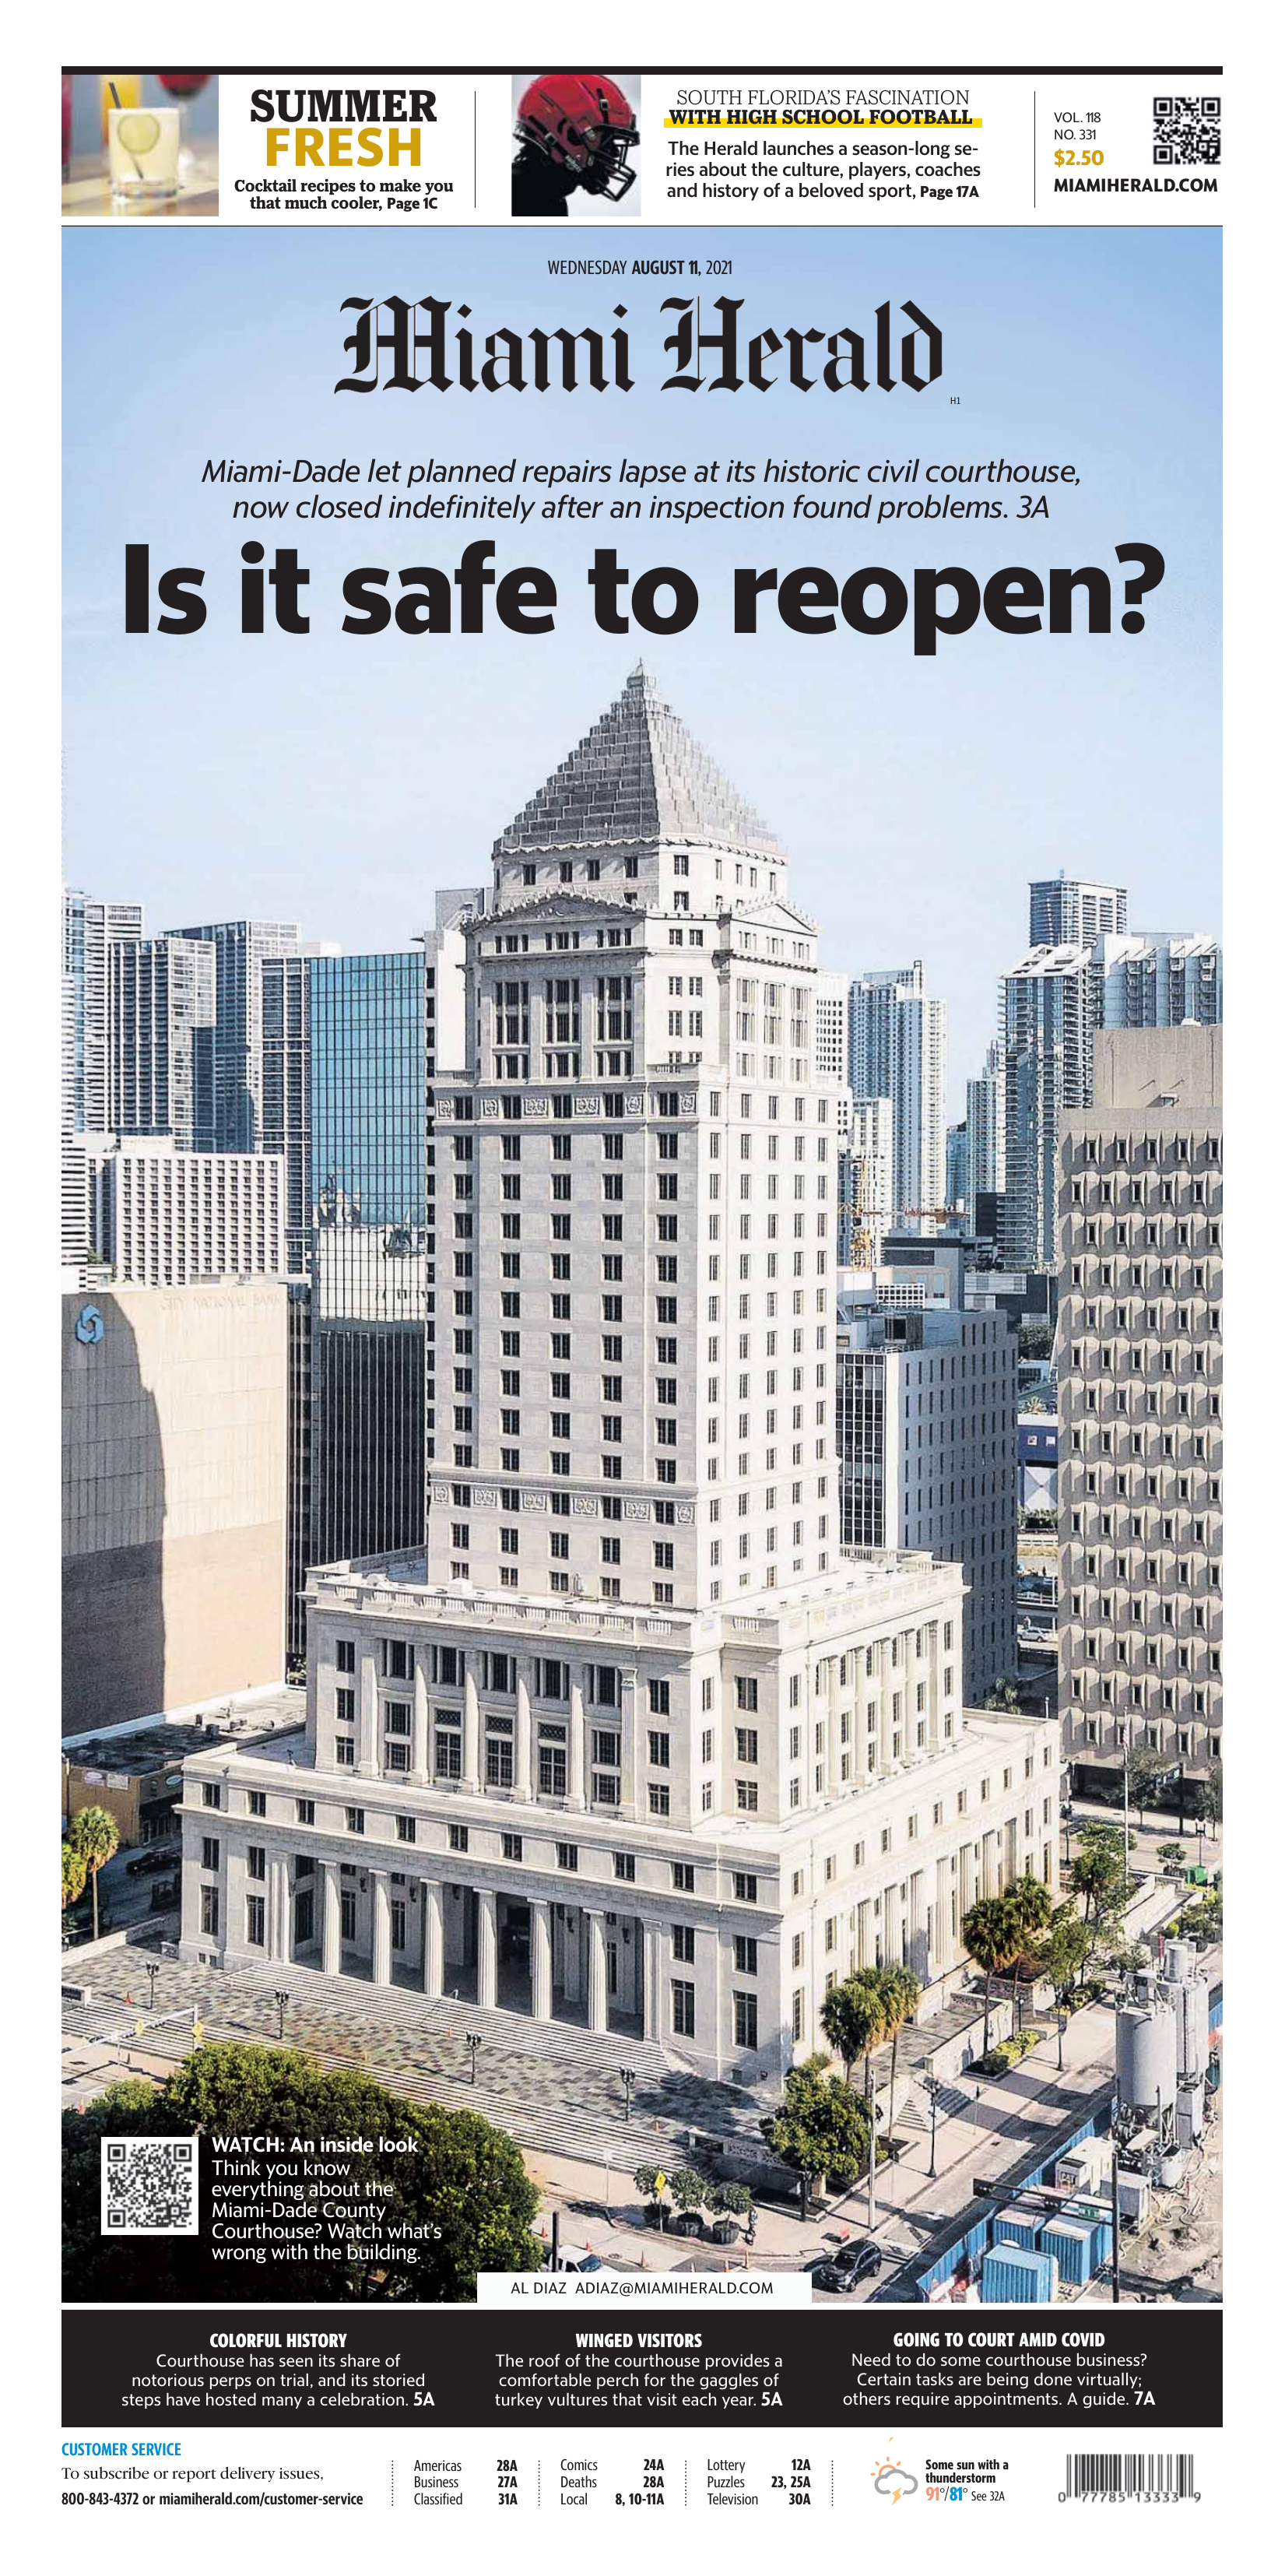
(647, 2184)
(688, 2190)
(1098, 1875)
(900, 1990)
(728, 2200)
(1035, 1341)
(1004, 1695)
(1031, 1906)
(1209, 1800)
(821, 2127)
(96, 1836)
(1064, 1951)
(853, 2019)
(992, 1937)
(1148, 1767)
(74, 1873)
(452, 2193)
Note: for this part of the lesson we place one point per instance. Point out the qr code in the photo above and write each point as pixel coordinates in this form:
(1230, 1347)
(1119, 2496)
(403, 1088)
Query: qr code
(149, 2187)
(1187, 129)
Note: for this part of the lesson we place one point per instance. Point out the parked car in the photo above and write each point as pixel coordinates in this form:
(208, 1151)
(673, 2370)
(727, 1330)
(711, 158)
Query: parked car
(852, 2263)
(577, 2258)
(145, 1862)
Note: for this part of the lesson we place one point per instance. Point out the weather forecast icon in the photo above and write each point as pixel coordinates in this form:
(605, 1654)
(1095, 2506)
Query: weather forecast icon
(890, 2479)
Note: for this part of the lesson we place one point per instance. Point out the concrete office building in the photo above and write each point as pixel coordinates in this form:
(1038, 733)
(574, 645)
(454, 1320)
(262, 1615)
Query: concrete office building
(174, 1497)
(630, 1729)
(897, 1052)
(1139, 1403)
(926, 1433)
(240, 948)
(1053, 1003)
(1071, 909)
(160, 1218)
(90, 930)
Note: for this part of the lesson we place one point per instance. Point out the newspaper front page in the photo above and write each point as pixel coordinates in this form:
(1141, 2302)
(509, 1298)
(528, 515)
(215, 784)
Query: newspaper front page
(640, 1075)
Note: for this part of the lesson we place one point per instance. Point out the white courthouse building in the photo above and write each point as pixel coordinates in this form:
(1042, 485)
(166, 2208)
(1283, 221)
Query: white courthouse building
(631, 1743)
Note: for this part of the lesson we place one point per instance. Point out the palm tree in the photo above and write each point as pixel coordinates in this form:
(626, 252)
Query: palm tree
(96, 1836)
(900, 1989)
(73, 1874)
(853, 2019)
(1031, 1906)
(992, 1939)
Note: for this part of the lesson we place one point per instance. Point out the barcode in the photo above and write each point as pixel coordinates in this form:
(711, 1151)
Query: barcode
(1119, 2476)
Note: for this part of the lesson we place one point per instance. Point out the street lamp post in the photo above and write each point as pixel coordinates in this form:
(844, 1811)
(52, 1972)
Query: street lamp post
(628, 2078)
(472, 2042)
(281, 1998)
(153, 1972)
(1061, 2034)
(932, 2087)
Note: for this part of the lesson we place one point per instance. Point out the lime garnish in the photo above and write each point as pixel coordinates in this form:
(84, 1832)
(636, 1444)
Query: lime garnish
(138, 134)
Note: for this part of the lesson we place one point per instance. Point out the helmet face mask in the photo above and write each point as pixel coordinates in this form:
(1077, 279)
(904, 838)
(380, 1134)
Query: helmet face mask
(583, 123)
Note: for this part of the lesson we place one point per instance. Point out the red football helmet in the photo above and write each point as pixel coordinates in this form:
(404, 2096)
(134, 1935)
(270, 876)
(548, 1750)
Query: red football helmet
(584, 123)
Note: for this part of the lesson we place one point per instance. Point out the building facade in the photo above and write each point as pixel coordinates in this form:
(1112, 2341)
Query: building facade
(160, 1040)
(160, 1218)
(926, 1432)
(897, 1052)
(1139, 1403)
(630, 1740)
(240, 948)
(984, 1108)
(1072, 910)
(1053, 1003)
(865, 1183)
(174, 1497)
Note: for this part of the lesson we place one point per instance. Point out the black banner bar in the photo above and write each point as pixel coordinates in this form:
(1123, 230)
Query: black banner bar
(494, 2371)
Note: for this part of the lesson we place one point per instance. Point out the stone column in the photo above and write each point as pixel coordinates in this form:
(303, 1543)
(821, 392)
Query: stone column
(523, 1751)
(381, 1944)
(472, 1731)
(331, 1950)
(488, 1944)
(577, 1778)
(653, 1938)
(368, 1718)
(597, 1971)
(277, 1908)
(431, 1895)
(571, 1937)
(541, 1960)
(632, 1722)
(419, 1761)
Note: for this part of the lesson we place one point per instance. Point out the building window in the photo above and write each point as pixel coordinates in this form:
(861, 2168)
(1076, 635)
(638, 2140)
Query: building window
(305, 1812)
(683, 1875)
(255, 1915)
(345, 1753)
(511, 1846)
(210, 1908)
(796, 2013)
(683, 2007)
(747, 1691)
(256, 1861)
(256, 1803)
(457, 1837)
(345, 1655)
(745, 1887)
(684, 1943)
(658, 1797)
(745, 2010)
(209, 1852)
(347, 1914)
(745, 1956)
(406, 1829)
(658, 1751)
(568, 1856)
(747, 1744)
(355, 1819)
(623, 1864)
(210, 1794)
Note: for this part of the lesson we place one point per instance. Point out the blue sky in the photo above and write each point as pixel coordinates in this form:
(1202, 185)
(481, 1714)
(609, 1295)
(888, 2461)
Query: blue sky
(340, 780)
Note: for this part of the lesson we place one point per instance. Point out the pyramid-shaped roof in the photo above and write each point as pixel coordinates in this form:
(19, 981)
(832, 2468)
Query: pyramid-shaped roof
(638, 777)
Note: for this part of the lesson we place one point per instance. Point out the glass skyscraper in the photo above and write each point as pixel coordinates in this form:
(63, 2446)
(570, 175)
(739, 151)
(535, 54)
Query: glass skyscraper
(368, 1072)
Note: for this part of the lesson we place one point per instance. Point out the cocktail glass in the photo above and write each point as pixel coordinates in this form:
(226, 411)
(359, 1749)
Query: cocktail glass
(142, 153)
